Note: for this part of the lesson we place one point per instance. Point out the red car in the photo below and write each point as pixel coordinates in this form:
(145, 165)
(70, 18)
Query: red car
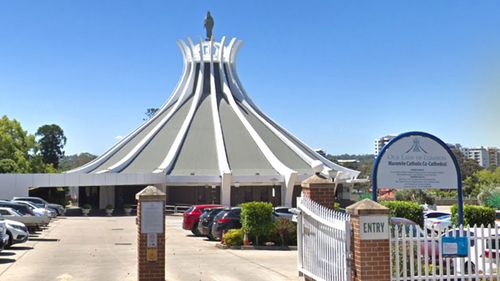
(192, 216)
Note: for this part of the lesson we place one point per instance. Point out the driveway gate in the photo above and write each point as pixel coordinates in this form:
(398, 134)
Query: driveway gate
(323, 242)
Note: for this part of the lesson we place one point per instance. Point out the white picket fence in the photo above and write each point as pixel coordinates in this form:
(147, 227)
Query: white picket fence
(417, 255)
(323, 242)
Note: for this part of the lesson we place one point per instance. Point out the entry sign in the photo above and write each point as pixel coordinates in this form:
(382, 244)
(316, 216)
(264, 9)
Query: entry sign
(454, 246)
(152, 217)
(374, 227)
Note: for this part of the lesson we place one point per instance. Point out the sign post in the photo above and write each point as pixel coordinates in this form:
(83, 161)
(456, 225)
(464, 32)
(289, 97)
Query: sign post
(151, 234)
(417, 160)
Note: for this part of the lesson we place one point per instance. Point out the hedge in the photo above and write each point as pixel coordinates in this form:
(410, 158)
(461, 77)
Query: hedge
(474, 215)
(405, 209)
(233, 237)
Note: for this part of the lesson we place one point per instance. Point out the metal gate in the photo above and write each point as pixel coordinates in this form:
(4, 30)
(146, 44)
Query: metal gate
(418, 255)
(323, 242)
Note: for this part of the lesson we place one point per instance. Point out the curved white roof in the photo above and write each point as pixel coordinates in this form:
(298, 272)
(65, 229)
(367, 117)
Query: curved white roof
(209, 128)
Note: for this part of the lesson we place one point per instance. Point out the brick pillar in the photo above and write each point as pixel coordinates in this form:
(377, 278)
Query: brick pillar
(151, 234)
(370, 241)
(320, 190)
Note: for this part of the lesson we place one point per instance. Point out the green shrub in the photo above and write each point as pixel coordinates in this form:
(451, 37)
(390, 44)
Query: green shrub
(415, 195)
(234, 237)
(404, 209)
(474, 215)
(493, 201)
(87, 206)
(285, 229)
(109, 207)
(336, 206)
(256, 218)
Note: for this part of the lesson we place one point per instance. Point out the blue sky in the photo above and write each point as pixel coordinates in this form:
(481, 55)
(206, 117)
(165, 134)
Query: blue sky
(335, 73)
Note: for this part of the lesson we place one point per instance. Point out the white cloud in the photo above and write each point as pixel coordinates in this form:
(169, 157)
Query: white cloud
(119, 137)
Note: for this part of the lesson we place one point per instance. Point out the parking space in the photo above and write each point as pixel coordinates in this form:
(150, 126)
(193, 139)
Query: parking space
(75, 248)
(104, 248)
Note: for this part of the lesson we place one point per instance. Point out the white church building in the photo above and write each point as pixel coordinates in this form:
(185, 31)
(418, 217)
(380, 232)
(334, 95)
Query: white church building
(208, 143)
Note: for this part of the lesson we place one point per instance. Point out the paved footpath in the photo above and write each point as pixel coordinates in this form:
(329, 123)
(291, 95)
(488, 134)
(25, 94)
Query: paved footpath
(104, 248)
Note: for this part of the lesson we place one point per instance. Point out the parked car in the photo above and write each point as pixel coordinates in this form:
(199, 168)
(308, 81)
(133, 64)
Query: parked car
(282, 212)
(225, 220)
(17, 232)
(37, 210)
(497, 220)
(206, 221)
(29, 221)
(410, 226)
(4, 238)
(22, 209)
(192, 216)
(437, 221)
(37, 200)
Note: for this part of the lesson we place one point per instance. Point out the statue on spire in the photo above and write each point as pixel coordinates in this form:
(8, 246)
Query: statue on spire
(209, 26)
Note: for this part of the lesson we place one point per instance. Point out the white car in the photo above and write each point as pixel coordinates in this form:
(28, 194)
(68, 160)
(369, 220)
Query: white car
(16, 231)
(29, 221)
(4, 238)
(37, 210)
(283, 212)
(59, 209)
(437, 221)
(497, 220)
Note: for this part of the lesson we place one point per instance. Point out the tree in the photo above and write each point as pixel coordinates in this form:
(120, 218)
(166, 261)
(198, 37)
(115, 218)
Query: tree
(17, 147)
(74, 161)
(467, 166)
(150, 112)
(8, 166)
(256, 218)
(52, 142)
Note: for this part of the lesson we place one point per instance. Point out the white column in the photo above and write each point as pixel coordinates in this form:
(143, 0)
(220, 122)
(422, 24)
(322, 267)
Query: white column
(73, 194)
(225, 190)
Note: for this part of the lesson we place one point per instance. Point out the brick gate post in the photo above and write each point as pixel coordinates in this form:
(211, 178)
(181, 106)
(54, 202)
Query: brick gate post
(319, 189)
(151, 234)
(322, 191)
(370, 240)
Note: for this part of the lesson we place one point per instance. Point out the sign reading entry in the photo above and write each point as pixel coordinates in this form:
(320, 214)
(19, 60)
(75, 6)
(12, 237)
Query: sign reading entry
(152, 217)
(416, 162)
(374, 227)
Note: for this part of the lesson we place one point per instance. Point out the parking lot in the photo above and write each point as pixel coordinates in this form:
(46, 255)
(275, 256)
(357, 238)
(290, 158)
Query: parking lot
(104, 248)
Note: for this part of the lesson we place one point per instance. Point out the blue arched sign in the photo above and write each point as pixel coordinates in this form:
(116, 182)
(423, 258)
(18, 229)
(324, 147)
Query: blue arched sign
(417, 160)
